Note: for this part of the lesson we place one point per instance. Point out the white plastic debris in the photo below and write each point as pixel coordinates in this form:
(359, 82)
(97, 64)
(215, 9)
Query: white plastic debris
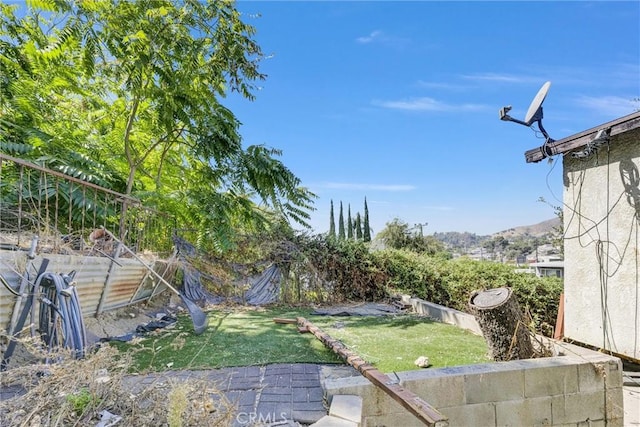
(107, 419)
(422, 362)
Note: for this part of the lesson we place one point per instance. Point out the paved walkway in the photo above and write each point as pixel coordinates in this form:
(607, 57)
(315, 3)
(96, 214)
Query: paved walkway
(272, 394)
(278, 394)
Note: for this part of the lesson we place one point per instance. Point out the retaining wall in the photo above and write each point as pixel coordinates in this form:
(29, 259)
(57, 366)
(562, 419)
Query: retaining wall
(575, 388)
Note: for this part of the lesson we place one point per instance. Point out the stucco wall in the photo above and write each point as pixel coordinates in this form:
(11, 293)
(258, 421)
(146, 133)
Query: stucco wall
(601, 220)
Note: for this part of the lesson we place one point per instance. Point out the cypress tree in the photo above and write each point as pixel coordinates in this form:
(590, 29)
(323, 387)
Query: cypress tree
(332, 223)
(358, 227)
(366, 236)
(349, 223)
(341, 224)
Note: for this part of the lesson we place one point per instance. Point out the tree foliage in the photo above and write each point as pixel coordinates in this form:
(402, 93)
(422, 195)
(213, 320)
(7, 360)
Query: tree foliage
(366, 232)
(358, 226)
(341, 233)
(398, 235)
(332, 223)
(127, 94)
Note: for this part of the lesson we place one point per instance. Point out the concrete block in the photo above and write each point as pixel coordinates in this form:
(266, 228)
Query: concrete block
(438, 390)
(615, 373)
(348, 407)
(550, 380)
(494, 386)
(480, 414)
(378, 402)
(615, 403)
(579, 407)
(329, 421)
(594, 374)
(592, 423)
(526, 412)
(403, 419)
(374, 400)
(590, 379)
(446, 315)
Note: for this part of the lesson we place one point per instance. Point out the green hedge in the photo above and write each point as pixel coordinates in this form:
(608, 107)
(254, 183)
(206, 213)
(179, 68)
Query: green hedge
(451, 282)
(350, 271)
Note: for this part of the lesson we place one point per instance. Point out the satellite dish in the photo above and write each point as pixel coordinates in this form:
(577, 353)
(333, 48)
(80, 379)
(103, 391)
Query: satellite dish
(534, 113)
(535, 108)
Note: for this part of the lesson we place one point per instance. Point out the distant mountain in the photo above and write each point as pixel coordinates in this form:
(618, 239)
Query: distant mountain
(464, 241)
(537, 230)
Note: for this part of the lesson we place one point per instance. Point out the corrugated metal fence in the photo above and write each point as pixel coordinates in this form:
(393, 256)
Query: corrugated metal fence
(102, 284)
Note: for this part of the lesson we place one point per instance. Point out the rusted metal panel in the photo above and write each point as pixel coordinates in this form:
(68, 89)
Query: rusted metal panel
(90, 278)
(124, 282)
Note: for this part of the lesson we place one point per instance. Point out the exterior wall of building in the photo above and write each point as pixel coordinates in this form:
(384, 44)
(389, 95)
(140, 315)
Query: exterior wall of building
(602, 253)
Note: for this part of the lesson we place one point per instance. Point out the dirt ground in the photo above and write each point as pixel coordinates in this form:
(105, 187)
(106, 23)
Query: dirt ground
(118, 322)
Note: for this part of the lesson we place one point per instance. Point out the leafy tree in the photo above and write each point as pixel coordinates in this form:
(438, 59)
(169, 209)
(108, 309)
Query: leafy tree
(395, 234)
(341, 234)
(128, 93)
(367, 229)
(349, 223)
(332, 223)
(398, 235)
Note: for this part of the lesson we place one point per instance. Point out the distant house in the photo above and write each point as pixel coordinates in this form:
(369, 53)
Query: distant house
(601, 234)
(544, 253)
(548, 268)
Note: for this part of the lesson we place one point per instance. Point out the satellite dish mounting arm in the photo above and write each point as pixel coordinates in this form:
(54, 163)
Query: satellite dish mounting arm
(534, 114)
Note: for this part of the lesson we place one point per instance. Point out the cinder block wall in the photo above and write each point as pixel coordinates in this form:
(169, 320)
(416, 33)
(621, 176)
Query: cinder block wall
(576, 388)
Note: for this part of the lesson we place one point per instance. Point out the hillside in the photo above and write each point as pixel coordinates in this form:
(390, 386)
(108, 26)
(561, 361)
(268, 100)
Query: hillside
(513, 242)
(536, 230)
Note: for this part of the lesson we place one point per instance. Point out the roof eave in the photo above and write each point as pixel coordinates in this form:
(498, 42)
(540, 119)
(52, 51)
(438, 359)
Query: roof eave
(564, 145)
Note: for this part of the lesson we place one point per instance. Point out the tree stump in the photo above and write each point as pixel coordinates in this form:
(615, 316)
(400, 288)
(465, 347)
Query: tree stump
(503, 324)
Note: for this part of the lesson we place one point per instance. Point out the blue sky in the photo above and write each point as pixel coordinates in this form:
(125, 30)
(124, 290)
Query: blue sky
(398, 101)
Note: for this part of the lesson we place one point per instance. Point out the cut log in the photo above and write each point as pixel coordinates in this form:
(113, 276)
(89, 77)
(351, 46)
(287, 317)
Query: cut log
(503, 324)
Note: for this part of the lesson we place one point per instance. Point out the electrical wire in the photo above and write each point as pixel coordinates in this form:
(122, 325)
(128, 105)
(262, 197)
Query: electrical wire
(610, 255)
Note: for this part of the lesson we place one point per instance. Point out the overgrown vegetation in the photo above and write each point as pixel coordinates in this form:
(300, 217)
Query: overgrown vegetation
(126, 95)
(322, 269)
(74, 392)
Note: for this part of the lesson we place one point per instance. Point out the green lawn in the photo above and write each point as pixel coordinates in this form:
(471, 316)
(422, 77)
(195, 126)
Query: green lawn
(244, 337)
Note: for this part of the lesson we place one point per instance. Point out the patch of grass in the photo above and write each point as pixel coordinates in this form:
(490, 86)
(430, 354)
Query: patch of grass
(393, 344)
(246, 337)
(242, 337)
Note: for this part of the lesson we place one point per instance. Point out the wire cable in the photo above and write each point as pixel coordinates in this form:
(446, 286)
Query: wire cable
(61, 323)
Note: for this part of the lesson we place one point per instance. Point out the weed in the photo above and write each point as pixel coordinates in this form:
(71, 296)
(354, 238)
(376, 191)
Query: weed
(81, 400)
